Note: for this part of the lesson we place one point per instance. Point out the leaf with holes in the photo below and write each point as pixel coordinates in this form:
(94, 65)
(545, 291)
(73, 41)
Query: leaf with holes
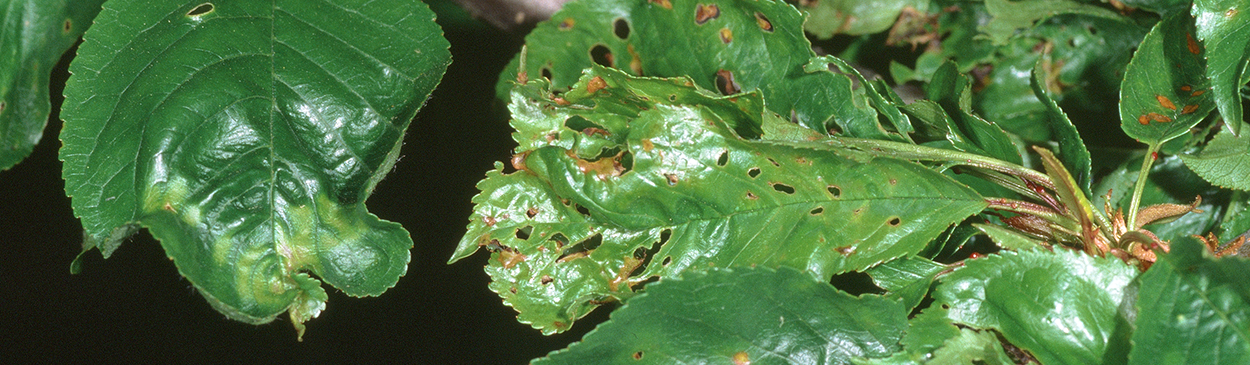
(1061, 306)
(730, 46)
(246, 136)
(1223, 26)
(1192, 308)
(33, 35)
(1224, 162)
(660, 180)
(742, 316)
(1164, 92)
(853, 17)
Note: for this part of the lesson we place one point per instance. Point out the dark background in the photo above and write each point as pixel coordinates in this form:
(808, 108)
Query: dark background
(135, 307)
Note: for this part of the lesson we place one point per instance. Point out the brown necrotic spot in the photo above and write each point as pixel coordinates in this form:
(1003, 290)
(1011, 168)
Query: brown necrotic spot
(595, 84)
(663, 3)
(602, 56)
(763, 22)
(1192, 44)
(705, 13)
(752, 196)
(726, 35)
(1189, 109)
(725, 82)
(201, 10)
(1165, 102)
(672, 179)
(638, 355)
(531, 213)
(566, 24)
(67, 26)
(546, 280)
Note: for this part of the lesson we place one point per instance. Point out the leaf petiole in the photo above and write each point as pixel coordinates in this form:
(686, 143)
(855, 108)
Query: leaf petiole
(1148, 160)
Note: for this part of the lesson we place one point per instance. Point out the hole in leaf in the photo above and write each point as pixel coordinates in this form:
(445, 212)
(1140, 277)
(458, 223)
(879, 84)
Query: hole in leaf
(602, 56)
(787, 189)
(201, 10)
(894, 221)
(672, 179)
(835, 191)
(1092, 30)
(581, 249)
(725, 83)
(620, 27)
(531, 212)
(638, 355)
(546, 279)
(68, 26)
(545, 72)
(524, 232)
(579, 124)
(818, 211)
(763, 22)
(752, 196)
(855, 283)
(774, 162)
(582, 210)
(705, 13)
(559, 239)
(723, 159)
(753, 172)
(672, 98)
(664, 235)
(1, 106)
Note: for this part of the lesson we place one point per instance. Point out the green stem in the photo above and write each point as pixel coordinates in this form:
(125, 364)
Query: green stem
(1147, 161)
(916, 152)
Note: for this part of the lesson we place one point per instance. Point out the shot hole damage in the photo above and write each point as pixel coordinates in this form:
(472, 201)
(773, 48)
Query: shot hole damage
(741, 358)
(817, 211)
(201, 10)
(602, 56)
(637, 355)
(894, 221)
(723, 159)
(753, 172)
(620, 28)
(763, 22)
(726, 35)
(546, 73)
(725, 82)
(835, 191)
(783, 188)
(523, 233)
(566, 24)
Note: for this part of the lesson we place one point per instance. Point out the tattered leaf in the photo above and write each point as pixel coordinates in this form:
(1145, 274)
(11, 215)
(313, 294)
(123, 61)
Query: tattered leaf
(854, 17)
(742, 316)
(1223, 26)
(1061, 306)
(1224, 162)
(1192, 308)
(677, 187)
(33, 35)
(1164, 92)
(246, 137)
(730, 46)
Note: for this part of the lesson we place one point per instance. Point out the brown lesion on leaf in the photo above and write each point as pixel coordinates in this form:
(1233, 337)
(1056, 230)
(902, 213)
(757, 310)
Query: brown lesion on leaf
(622, 275)
(763, 22)
(663, 3)
(518, 161)
(566, 24)
(531, 212)
(726, 35)
(1192, 44)
(845, 250)
(741, 358)
(1165, 102)
(67, 26)
(915, 27)
(635, 62)
(595, 84)
(752, 196)
(705, 13)
(672, 178)
(1189, 109)
(603, 169)
(509, 257)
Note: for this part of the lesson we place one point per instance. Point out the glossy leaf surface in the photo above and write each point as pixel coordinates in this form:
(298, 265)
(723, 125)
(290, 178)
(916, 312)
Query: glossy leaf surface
(1060, 306)
(659, 180)
(246, 137)
(1164, 92)
(1223, 26)
(853, 17)
(33, 35)
(1224, 162)
(725, 45)
(1072, 151)
(742, 316)
(1194, 309)
(1170, 182)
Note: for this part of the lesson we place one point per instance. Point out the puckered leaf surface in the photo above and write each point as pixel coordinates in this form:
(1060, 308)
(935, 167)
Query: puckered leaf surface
(622, 179)
(742, 316)
(1061, 306)
(246, 137)
(1192, 308)
(33, 35)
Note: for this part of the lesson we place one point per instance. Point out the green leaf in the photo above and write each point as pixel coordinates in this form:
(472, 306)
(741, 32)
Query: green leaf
(1223, 26)
(1072, 150)
(665, 183)
(932, 339)
(965, 130)
(1012, 16)
(246, 137)
(1061, 306)
(1164, 7)
(1194, 309)
(1224, 162)
(854, 17)
(736, 45)
(1235, 223)
(744, 315)
(907, 277)
(1170, 182)
(1164, 90)
(33, 35)
(1010, 239)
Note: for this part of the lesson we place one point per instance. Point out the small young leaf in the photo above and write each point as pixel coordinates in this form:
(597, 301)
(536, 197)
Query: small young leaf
(1170, 182)
(1061, 306)
(1223, 26)
(1193, 309)
(246, 136)
(742, 316)
(1224, 162)
(1164, 92)
(33, 35)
